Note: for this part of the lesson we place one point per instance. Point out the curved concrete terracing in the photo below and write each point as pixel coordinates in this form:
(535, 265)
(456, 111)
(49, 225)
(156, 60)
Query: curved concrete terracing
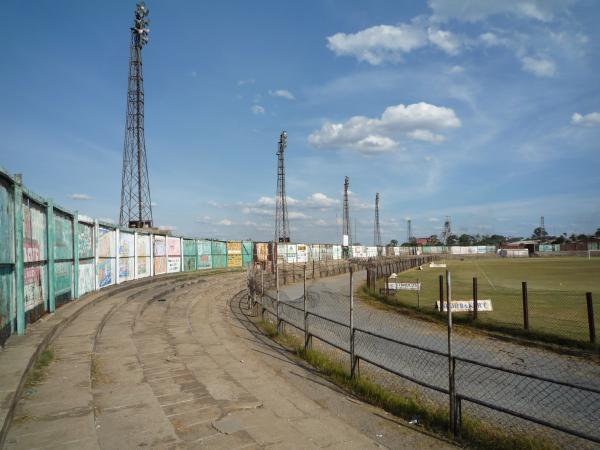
(175, 363)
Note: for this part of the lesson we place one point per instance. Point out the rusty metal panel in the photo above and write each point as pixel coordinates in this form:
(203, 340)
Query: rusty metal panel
(86, 276)
(262, 251)
(160, 255)
(63, 236)
(85, 238)
(204, 254)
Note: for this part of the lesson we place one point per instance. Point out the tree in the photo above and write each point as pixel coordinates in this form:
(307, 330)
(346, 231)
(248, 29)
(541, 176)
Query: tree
(433, 240)
(539, 233)
(451, 240)
(597, 233)
(466, 240)
(393, 243)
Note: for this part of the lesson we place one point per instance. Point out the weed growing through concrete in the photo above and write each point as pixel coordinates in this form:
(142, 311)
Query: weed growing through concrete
(40, 368)
(475, 433)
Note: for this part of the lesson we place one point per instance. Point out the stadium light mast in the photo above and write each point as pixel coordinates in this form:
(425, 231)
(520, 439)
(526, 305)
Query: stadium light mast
(282, 225)
(136, 206)
(346, 231)
(376, 228)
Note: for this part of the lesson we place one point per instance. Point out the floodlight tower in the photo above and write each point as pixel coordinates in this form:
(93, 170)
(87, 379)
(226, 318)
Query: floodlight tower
(447, 230)
(542, 228)
(136, 207)
(282, 226)
(408, 230)
(377, 231)
(346, 231)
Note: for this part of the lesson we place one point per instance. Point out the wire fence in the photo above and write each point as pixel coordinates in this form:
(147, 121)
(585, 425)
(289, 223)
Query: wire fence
(559, 316)
(502, 386)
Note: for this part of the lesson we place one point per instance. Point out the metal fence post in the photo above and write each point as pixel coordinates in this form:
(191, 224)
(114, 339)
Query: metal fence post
(75, 255)
(451, 387)
(352, 354)
(19, 257)
(50, 238)
(475, 298)
(277, 304)
(525, 306)
(441, 282)
(305, 307)
(590, 314)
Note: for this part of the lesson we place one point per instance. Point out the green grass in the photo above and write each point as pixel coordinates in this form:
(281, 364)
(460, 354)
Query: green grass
(40, 368)
(474, 433)
(556, 287)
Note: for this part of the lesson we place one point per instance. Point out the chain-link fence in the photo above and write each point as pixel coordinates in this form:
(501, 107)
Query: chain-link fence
(550, 315)
(502, 386)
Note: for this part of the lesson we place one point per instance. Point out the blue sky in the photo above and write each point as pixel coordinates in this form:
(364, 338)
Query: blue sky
(485, 111)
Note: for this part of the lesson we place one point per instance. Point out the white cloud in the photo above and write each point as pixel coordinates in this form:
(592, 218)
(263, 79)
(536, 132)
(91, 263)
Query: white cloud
(153, 204)
(284, 93)
(456, 69)
(541, 67)
(446, 40)
(587, 120)
(225, 222)
(379, 43)
(83, 197)
(425, 135)
(476, 10)
(248, 81)
(297, 215)
(433, 219)
(372, 135)
(257, 109)
(320, 200)
(167, 227)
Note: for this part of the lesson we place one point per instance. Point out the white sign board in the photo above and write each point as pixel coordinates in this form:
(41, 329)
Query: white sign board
(437, 264)
(345, 240)
(466, 305)
(406, 286)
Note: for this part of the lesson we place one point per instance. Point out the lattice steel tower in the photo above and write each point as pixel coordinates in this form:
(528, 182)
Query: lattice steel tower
(136, 207)
(447, 230)
(409, 235)
(346, 231)
(282, 225)
(377, 231)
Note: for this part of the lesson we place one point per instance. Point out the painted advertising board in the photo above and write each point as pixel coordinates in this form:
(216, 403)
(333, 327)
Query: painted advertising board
(86, 276)
(143, 245)
(105, 271)
(63, 279)
(466, 305)
(189, 263)
(126, 244)
(36, 280)
(126, 269)
(262, 251)
(160, 246)
(144, 264)
(173, 264)
(301, 253)
(85, 236)
(63, 236)
(234, 260)
(173, 246)
(106, 242)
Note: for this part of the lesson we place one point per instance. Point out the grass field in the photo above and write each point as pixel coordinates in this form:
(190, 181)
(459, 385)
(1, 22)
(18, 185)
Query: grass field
(556, 286)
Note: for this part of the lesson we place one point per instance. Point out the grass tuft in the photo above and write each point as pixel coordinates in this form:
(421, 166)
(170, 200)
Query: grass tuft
(40, 368)
(474, 434)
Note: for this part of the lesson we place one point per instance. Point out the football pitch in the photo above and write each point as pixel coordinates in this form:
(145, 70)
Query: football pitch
(556, 291)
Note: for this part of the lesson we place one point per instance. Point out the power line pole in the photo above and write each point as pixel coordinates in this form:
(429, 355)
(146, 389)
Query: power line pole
(136, 206)
(282, 226)
(408, 230)
(346, 232)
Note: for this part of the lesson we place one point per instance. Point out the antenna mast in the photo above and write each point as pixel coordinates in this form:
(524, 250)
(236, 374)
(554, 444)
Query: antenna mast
(282, 226)
(136, 207)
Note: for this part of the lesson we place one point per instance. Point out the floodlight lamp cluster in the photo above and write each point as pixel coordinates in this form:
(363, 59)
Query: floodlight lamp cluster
(282, 141)
(141, 22)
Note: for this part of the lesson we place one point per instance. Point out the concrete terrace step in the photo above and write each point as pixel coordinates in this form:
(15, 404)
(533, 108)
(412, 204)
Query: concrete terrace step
(20, 353)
